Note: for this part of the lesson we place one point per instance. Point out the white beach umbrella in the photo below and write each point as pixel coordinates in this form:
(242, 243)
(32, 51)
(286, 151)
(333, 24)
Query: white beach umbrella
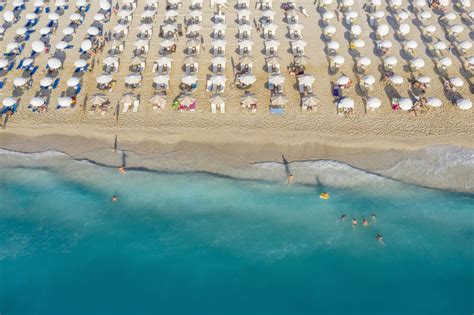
(161, 79)
(99, 98)
(81, 3)
(64, 101)
(404, 29)
(450, 16)
(343, 80)
(430, 29)
(37, 101)
(446, 62)
(110, 60)
(93, 31)
(61, 45)
(378, 14)
(31, 16)
(8, 16)
(86, 45)
(365, 61)
(3, 63)
(60, 3)
(383, 30)
(148, 14)
(405, 103)
(38, 3)
(73, 82)
(376, 3)
(358, 43)
(411, 44)
(278, 100)
(80, 63)
(124, 13)
(276, 79)
(420, 3)
(356, 30)
(11, 46)
(37, 46)
(424, 79)
(326, 2)
(189, 79)
(310, 100)
(104, 79)
(465, 45)
(133, 79)
(439, 45)
(54, 63)
(145, 28)
(8, 101)
(403, 15)
(68, 31)
(330, 30)
(27, 62)
(464, 103)
(434, 102)
(333, 45)
(19, 82)
(338, 60)
(346, 103)
(456, 81)
(104, 5)
(457, 29)
(385, 44)
(328, 15)
(99, 17)
(119, 28)
(351, 15)
(21, 31)
(396, 79)
(247, 79)
(53, 16)
(187, 100)
(373, 102)
(425, 15)
(45, 30)
(417, 63)
(46, 82)
(158, 99)
(75, 17)
(368, 80)
(391, 61)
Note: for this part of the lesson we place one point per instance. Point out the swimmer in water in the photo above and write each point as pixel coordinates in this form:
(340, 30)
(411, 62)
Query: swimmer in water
(290, 179)
(365, 222)
(121, 170)
(343, 217)
(354, 222)
(114, 198)
(373, 218)
(379, 237)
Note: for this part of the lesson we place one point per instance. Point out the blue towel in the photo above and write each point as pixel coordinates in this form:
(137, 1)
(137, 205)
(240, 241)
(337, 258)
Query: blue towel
(50, 23)
(1, 84)
(47, 9)
(27, 37)
(277, 110)
(20, 64)
(37, 10)
(56, 83)
(34, 71)
(10, 66)
(28, 24)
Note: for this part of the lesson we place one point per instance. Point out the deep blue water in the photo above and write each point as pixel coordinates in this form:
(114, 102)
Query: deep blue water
(201, 244)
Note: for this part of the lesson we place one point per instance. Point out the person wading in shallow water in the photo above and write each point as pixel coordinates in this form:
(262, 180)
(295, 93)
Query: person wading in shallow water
(114, 199)
(290, 179)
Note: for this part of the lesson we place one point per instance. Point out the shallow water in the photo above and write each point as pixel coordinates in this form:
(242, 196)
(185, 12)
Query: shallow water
(202, 244)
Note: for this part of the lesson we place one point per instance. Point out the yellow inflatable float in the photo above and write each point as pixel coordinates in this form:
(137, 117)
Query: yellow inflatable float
(324, 196)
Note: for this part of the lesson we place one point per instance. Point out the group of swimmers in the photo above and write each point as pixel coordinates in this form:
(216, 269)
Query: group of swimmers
(365, 223)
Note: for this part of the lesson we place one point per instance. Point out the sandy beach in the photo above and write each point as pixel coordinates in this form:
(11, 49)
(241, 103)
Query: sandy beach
(227, 143)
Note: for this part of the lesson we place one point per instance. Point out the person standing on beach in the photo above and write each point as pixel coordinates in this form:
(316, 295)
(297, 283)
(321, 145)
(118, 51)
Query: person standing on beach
(290, 179)
(121, 170)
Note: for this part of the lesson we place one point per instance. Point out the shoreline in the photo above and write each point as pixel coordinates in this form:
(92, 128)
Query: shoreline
(432, 166)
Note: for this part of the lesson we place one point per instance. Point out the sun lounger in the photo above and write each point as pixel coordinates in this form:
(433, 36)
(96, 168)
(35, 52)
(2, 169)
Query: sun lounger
(275, 110)
(10, 66)
(55, 83)
(34, 71)
(136, 104)
(126, 107)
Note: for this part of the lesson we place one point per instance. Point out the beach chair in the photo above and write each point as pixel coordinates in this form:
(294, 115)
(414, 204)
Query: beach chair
(1, 85)
(20, 64)
(126, 107)
(55, 83)
(47, 10)
(34, 71)
(136, 104)
(275, 110)
(10, 66)
(78, 89)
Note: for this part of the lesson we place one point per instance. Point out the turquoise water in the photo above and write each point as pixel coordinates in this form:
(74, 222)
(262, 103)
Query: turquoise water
(201, 244)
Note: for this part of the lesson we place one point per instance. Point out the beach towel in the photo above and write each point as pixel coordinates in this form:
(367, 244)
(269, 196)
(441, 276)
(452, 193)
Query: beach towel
(56, 83)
